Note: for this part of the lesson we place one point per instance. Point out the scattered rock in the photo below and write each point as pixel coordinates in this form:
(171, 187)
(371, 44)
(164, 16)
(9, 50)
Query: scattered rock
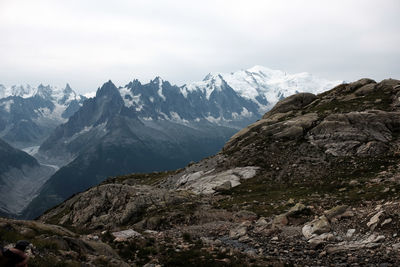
(354, 182)
(238, 232)
(246, 215)
(320, 239)
(280, 219)
(350, 233)
(290, 201)
(125, 235)
(373, 222)
(297, 209)
(387, 221)
(316, 227)
(261, 222)
(396, 246)
(336, 211)
(387, 189)
(370, 242)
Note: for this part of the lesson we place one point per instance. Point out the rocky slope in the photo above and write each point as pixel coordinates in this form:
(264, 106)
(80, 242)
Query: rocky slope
(21, 176)
(314, 182)
(157, 126)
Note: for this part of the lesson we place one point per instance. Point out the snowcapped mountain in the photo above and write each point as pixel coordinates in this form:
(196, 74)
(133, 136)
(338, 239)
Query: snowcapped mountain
(262, 85)
(235, 99)
(158, 126)
(159, 100)
(28, 114)
(106, 137)
(228, 100)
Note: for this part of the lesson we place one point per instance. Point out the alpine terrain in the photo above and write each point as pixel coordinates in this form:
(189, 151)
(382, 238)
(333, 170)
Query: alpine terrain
(157, 126)
(29, 114)
(314, 182)
(21, 176)
(27, 117)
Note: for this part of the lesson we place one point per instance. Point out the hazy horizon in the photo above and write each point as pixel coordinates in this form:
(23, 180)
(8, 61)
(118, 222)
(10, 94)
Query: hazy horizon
(86, 43)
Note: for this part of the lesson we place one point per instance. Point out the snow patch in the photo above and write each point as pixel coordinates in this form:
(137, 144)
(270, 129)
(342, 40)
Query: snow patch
(90, 95)
(32, 150)
(131, 100)
(7, 105)
(213, 119)
(160, 89)
(175, 117)
(245, 113)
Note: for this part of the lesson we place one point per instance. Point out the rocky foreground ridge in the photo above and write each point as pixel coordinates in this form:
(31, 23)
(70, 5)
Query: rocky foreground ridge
(314, 182)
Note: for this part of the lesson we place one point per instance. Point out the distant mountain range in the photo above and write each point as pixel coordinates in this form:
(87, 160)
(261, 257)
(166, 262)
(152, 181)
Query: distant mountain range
(232, 99)
(29, 114)
(148, 127)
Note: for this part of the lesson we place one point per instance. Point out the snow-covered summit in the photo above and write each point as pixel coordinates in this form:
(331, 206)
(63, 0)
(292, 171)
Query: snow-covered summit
(47, 92)
(223, 98)
(23, 91)
(262, 85)
(213, 81)
(29, 113)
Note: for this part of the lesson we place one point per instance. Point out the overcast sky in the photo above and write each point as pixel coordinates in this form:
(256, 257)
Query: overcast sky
(87, 42)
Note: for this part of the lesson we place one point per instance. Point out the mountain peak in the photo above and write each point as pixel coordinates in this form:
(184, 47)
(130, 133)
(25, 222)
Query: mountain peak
(133, 83)
(44, 91)
(107, 88)
(208, 76)
(67, 88)
(157, 80)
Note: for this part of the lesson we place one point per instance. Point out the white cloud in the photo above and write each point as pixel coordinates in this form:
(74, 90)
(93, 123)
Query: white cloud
(87, 42)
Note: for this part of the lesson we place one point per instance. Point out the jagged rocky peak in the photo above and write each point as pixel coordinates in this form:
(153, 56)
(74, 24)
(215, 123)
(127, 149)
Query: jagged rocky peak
(106, 89)
(133, 84)
(157, 80)
(45, 91)
(68, 90)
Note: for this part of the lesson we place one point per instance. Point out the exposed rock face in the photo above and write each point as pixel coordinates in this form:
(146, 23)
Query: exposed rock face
(336, 123)
(111, 205)
(291, 103)
(208, 182)
(53, 244)
(356, 133)
(21, 176)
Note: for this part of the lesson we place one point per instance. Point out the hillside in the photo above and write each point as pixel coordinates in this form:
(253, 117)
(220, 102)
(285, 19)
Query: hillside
(314, 182)
(20, 177)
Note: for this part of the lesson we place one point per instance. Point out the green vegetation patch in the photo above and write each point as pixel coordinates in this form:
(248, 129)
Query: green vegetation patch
(141, 178)
(347, 181)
